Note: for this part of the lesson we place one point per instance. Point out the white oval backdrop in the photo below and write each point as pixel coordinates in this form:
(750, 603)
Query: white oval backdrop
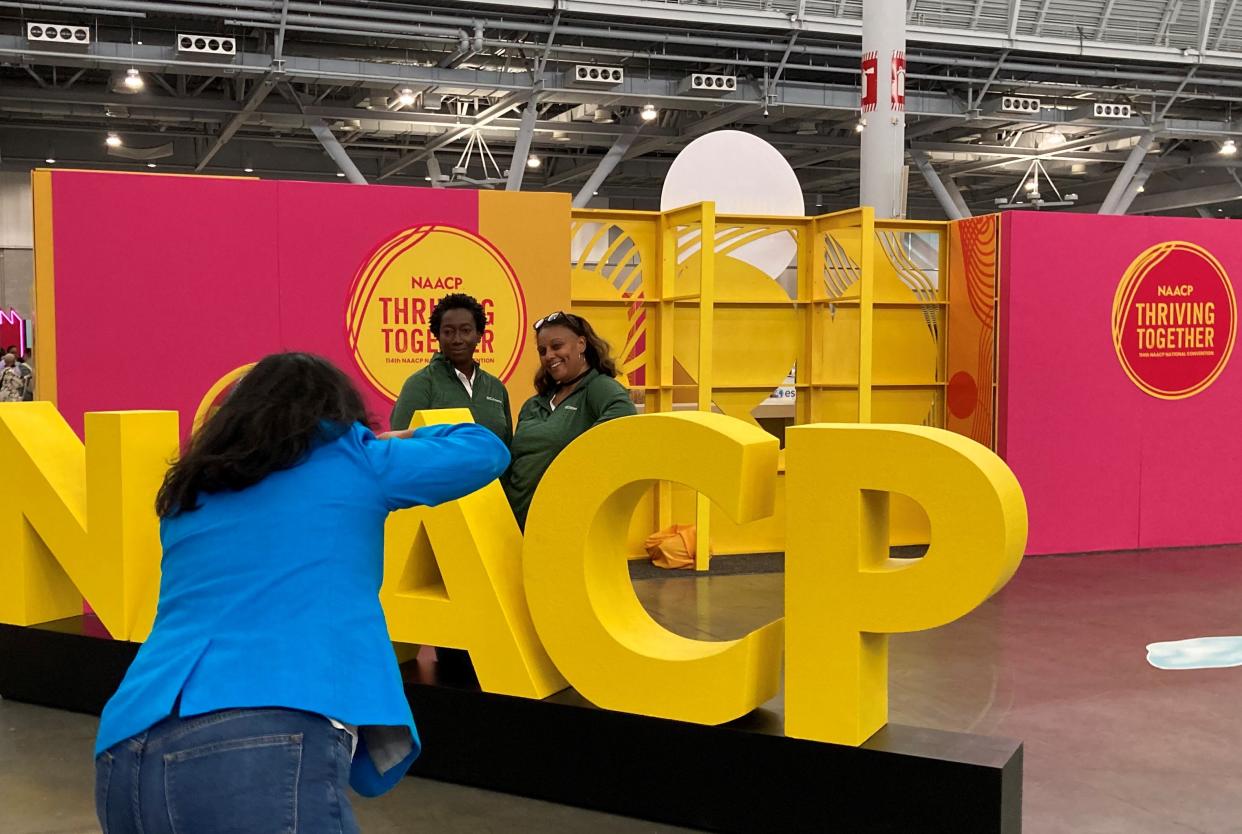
(741, 174)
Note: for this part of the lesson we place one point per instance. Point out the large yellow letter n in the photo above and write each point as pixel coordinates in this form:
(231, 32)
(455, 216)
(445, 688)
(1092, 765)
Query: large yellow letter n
(577, 577)
(80, 522)
(844, 595)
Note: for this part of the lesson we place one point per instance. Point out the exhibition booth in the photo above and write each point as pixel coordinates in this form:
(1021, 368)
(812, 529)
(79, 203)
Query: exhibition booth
(788, 370)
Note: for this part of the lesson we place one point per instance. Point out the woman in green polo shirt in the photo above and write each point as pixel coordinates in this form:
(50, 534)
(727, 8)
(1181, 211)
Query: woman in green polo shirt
(452, 379)
(576, 388)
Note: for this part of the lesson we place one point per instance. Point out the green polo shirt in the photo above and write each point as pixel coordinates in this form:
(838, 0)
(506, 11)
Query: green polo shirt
(437, 386)
(542, 433)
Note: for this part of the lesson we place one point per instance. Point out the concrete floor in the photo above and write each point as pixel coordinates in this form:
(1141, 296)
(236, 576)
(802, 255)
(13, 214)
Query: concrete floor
(1057, 659)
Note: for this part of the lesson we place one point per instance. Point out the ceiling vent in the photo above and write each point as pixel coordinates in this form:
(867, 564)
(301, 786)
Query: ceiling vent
(1020, 104)
(590, 75)
(58, 33)
(1111, 111)
(207, 45)
(706, 84)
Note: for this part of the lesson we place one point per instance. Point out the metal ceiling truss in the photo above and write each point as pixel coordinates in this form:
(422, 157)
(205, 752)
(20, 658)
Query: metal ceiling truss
(509, 75)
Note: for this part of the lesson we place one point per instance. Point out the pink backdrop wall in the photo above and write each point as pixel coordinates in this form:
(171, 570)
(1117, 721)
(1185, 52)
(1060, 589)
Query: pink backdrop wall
(193, 277)
(1105, 466)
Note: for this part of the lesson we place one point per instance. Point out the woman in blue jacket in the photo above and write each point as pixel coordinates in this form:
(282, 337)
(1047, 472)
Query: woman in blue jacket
(268, 681)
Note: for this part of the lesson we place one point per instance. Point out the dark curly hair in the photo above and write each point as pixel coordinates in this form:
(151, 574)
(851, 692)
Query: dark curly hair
(273, 416)
(458, 301)
(598, 354)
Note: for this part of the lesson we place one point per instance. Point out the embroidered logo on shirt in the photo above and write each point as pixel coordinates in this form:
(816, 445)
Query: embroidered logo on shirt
(493, 399)
(571, 408)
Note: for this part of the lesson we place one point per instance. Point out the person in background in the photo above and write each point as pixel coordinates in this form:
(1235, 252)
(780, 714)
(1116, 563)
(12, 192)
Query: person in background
(12, 382)
(453, 379)
(268, 681)
(576, 389)
(23, 365)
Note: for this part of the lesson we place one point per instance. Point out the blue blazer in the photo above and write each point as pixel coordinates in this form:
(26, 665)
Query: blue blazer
(269, 596)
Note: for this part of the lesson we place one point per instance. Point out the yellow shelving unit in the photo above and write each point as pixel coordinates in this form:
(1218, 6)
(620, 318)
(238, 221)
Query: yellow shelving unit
(860, 312)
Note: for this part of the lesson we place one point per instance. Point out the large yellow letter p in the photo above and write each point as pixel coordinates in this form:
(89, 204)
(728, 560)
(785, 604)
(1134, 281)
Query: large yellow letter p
(577, 577)
(844, 595)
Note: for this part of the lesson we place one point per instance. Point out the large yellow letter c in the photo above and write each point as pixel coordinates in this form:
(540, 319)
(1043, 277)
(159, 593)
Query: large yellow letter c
(577, 578)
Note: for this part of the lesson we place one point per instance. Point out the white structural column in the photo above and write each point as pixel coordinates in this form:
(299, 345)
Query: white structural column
(1137, 155)
(521, 148)
(330, 144)
(606, 165)
(950, 206)
(883, 107)
(1139, 180)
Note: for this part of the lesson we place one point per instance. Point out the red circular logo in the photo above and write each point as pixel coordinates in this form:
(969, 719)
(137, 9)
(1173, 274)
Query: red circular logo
(1174, 320)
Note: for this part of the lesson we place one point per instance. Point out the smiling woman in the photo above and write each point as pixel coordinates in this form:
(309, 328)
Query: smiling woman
(576, 388)
(453, 379)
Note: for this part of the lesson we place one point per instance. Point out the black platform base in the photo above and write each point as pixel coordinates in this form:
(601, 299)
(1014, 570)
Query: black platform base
(745, 776)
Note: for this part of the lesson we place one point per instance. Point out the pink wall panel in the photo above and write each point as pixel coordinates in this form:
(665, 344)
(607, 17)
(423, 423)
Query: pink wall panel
(216, 273)
(1104, 465)
(192, 233)
(321, 247)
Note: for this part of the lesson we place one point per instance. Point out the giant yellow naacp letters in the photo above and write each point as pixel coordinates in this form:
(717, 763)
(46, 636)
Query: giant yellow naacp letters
(558, 607)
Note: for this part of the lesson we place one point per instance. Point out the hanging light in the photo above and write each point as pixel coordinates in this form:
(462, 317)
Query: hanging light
(1031, 185)
(133, 80)
(1141, 189)
(150, 164)
(248, 170)
(649, 112)
(406, 97)
(51, 160)
(861, 126)
(533, 161)
(340, 173)
(1229, 148)
(113, 141)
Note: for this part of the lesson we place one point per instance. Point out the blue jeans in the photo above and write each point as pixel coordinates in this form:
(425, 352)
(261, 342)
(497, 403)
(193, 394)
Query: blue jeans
(237, 771)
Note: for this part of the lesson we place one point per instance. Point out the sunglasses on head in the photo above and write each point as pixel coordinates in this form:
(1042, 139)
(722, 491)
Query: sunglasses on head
(553, 318)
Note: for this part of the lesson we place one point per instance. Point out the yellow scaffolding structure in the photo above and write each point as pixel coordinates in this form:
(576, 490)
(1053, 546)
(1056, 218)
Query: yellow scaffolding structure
(858, 309)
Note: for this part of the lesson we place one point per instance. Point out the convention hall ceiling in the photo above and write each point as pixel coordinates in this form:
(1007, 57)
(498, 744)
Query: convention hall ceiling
(451, 93)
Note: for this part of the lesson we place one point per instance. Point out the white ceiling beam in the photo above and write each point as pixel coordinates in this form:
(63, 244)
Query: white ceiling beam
(978, 12)
(1170, 14)
(1186, 198)
(1224, 23)
(1043, 15)
(1206, 9)
(1103, 24)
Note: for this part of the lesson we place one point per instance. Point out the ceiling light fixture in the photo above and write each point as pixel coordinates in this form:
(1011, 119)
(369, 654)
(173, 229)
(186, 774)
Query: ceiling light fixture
(113, 141)
(1030, 183)
(406, 97)
(150, 164)
(1229, 148)
(133, 80)
(533, 161)
(51, 160)
(861, 126)
(649, 112)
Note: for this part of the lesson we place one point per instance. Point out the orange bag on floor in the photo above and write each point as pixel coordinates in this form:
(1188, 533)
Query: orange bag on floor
(673, 548)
